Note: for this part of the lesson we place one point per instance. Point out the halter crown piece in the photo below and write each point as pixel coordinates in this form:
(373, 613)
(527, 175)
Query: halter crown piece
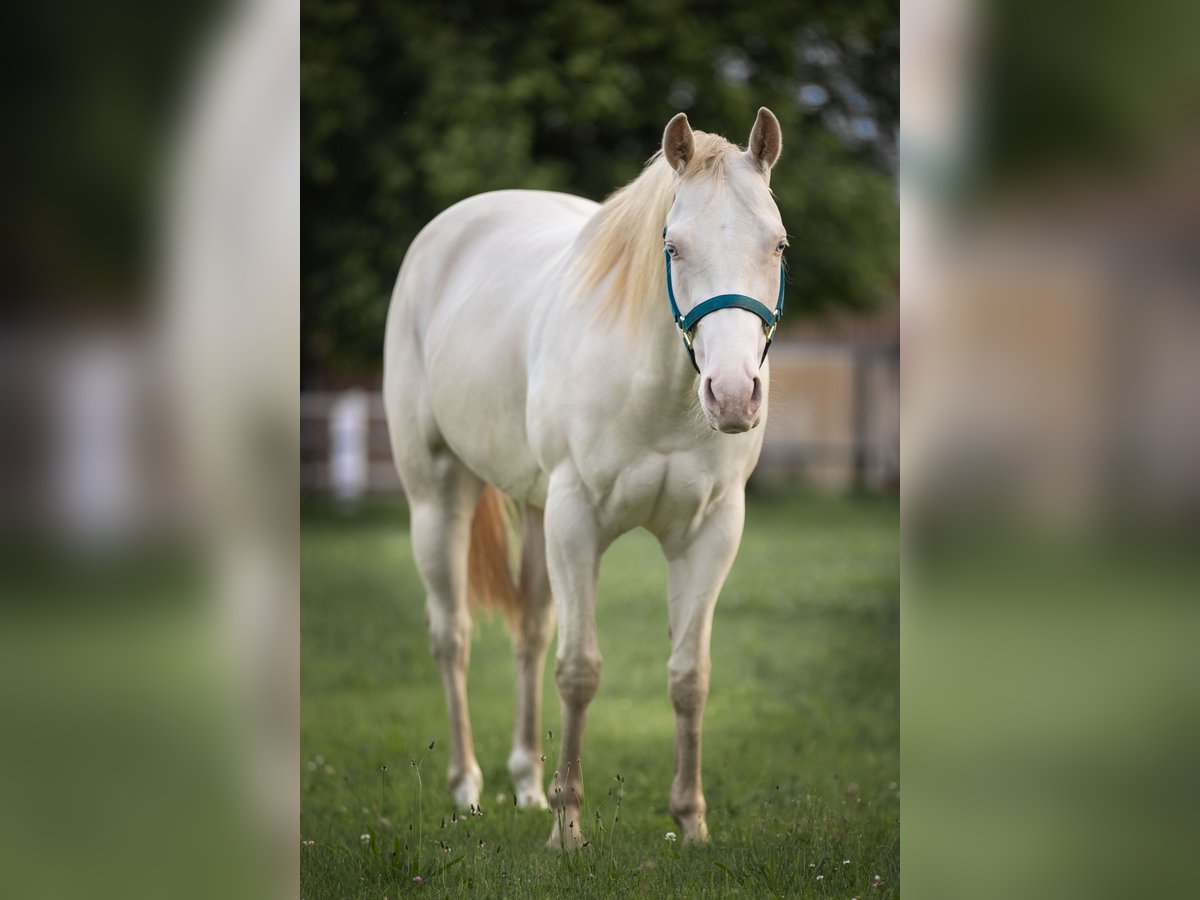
(687, 324)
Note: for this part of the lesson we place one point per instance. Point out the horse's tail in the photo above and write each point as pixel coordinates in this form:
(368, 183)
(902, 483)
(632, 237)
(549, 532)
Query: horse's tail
(490, 582)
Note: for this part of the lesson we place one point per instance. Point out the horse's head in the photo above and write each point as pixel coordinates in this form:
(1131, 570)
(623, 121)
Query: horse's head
(724, 236)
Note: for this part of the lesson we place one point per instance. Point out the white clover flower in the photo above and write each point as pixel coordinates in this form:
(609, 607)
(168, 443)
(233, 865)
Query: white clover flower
(820, 877)
(365, 838)
(845, 862)
(671, 836)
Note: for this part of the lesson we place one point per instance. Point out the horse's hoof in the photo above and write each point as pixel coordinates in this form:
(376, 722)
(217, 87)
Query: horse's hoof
(465, 789)
(532, 800)
(570, 839)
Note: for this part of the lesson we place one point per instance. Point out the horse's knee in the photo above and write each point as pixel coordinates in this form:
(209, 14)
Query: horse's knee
(688, 684)
(578, 677)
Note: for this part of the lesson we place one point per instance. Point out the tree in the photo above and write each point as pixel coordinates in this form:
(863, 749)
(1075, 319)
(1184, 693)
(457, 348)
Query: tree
(409, 107)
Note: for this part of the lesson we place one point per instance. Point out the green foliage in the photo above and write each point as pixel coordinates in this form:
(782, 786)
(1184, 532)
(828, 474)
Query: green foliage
(410, 107)
(801, 756)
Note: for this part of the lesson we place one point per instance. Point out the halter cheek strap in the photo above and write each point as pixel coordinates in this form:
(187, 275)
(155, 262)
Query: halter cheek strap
(687, 324)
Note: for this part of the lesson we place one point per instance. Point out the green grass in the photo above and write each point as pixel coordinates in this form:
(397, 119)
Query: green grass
(801, 758)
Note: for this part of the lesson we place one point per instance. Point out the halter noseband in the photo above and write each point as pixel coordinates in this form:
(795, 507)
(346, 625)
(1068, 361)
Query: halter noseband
(687, 324)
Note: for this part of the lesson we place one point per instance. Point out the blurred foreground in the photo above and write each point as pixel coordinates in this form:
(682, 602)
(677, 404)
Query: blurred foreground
(148, 619)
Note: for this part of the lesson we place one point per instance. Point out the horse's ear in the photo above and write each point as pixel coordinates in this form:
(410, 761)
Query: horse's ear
(766, 140)
(678, 143)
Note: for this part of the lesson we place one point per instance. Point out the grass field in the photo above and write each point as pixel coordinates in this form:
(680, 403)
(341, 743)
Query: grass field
(801, 758)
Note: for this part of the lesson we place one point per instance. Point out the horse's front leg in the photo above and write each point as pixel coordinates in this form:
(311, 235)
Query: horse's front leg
(698, 563)
(574, 543)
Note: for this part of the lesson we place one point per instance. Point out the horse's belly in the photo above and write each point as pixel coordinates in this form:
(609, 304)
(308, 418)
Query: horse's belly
(486, 431)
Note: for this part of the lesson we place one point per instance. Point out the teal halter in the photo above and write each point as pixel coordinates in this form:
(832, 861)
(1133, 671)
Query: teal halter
(687, 324)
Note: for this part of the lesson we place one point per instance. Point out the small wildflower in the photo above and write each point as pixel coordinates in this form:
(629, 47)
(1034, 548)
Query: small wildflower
(820, 878)
(671, 836)
(385, 822)
(845, 862)
(365, 838)
(417, 879)
(812, 865)
(383, 768)
(308, 843)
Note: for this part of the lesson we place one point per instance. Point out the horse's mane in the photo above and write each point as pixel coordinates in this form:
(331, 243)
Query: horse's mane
(620, 248)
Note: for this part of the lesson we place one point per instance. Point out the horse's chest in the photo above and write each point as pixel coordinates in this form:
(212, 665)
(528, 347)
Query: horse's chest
(657, 491)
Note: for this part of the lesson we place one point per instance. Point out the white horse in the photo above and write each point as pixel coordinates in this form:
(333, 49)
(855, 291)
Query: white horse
(530, 350)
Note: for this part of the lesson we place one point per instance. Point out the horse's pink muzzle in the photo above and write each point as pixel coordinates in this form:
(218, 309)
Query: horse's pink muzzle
(732, 404)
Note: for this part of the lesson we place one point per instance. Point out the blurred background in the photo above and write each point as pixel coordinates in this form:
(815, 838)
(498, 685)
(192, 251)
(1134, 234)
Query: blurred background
(410, 107)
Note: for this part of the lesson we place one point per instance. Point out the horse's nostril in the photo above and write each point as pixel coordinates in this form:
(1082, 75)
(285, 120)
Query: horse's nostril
(756, 395)
(709, 397)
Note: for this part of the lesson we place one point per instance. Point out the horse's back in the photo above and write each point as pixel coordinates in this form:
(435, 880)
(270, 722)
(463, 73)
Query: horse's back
(463, 308)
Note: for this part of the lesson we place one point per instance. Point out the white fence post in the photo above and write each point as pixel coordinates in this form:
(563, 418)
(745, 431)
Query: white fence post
(348, 451)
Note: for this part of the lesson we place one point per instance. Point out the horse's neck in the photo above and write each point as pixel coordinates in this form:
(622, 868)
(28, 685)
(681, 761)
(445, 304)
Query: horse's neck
(665, 355)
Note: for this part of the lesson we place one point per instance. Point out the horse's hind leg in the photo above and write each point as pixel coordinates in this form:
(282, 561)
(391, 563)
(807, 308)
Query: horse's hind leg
(442, 509)
(531, 635)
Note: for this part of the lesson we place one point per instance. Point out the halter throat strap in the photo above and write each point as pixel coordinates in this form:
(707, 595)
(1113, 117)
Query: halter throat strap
(687, 324)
